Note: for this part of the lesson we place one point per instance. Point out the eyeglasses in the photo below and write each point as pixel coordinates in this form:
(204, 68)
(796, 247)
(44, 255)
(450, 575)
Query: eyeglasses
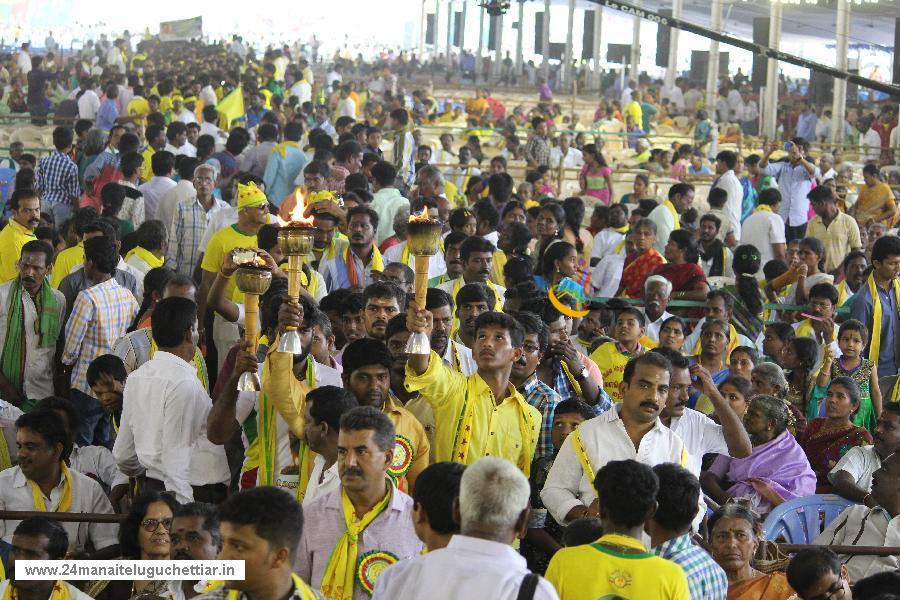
(151, 525)
(834, 592)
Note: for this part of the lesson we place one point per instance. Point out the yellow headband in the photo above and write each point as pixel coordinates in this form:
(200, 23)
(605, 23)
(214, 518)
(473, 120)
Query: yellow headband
(250, 195)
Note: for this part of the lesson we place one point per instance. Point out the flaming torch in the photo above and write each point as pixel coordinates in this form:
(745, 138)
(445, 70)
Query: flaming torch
(252, 278)
(295, 239)
(423, 238)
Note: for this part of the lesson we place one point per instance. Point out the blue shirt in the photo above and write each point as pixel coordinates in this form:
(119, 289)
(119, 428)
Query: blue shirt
(541, 396)
(255, 115)
(806, 125)
(281, 173)
(794, 182)
(107, 115)
(862, 310)
(706, 579)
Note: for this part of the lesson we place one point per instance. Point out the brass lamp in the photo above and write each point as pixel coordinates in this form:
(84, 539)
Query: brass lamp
(295, 240)
(423, 238)
(253, 280)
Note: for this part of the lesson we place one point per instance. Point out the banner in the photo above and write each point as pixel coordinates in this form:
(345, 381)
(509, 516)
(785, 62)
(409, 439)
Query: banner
(181, 31)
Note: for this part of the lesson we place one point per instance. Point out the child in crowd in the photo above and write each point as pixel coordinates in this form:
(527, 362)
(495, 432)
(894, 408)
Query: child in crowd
(852, 339)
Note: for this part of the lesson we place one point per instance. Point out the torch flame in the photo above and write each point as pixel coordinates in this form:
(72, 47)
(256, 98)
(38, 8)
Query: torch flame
(296, 216)
(422, 217)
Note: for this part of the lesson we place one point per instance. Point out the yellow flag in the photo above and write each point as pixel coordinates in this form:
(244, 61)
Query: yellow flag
(231, 108)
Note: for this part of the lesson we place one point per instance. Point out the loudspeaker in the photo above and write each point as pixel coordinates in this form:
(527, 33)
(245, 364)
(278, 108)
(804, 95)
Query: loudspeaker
(538, 32)
(760, 62)
(587, 40)
(821, 88)
(700, 65)
(618, 53)
(429, 28)
(557, 50)
(457, 29)
(663, 39)
(492, 28)
(896, 77)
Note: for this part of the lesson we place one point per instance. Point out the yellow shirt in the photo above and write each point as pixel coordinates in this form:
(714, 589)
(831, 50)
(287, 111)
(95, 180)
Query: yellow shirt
(220, 244)
(634, 109)
(12, 238)
(612, 367)
(500, 260)
(839, 238)
(496, 430)
(147, 167)
(874, 200)
(595, 571)
(65, 261)
(407, 426)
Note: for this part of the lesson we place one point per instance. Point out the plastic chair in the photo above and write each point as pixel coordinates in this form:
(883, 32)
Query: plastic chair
(7, 180)
(801, 520)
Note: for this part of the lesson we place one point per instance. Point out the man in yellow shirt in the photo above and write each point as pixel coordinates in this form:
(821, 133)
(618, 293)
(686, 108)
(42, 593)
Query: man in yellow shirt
(25, 207)
(618, 565)
(612, 357)
(633, 108)
(481, 414)
(156, 141)
(73, 256)
(253, 209)
(367, 375)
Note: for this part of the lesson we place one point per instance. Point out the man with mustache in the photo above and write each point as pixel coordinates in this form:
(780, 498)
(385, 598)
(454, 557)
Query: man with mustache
(383, 300)
(471, 411)
(631, 430)
(367, 375)
(25, 216)
(852, 475)
(325, 406)
(353, 267)
(194, 536)
(700, 434)
(477, 257)
(855, 265)
(31, 314)
(452, 244)
(353, 533)
(472, 301)
(454, 354)
(657, 294)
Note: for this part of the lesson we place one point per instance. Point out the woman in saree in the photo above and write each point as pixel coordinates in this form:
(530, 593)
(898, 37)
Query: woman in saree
(682, 268)
(778, 469)
(734, 537)
(672, 333)
(825, 440)
(642, 262)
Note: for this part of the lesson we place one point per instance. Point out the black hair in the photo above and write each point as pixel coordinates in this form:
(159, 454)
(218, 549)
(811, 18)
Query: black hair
(885, 246)
(678, 360)
(824, 291)
(172, 318)
(38, 247)
(475, 243)
(851, 257)
(821, 193)
(627, 490)
(19, 195)
(436, 298)
(274, 513)
(500, 185)
(162, 163)
(107, 228)
(209, 513)
(57, 537)
(749, 351)
(686, 242)
(653, 359)
(504, 321)
(518, 268)
(474, 292)
(328, 403)
(384, 173)
(106, 364)
(809, 565)
(238, 138)
(112, 197)
(849, 384)
(386, 289)
(101, 251)
(741, 384)
(807, 350)
(728, 157)
(582, 531)
(677, 498)
(717, 197)
(62, 138)
(354, 303)
(574, 406)
(554, 252)
(677, 319)
(783, 331)
(364, 209)
(486, 212)
(436, 491)
(774, 268)
(680, 188)
(151, 234)
(816, 246)
(397, 324)
(745, 265)
(458, 218)
(854, 325)
(50, 426)
(533, 325)
(363, 353)
(370, 418)
(636, 312)
(769, 196)
(880, 586)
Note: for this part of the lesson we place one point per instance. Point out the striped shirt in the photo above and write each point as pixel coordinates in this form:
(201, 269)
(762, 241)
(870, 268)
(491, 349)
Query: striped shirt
(706, 579)
(57, 179)
(189, 224)
(541, 396)
(100, 316)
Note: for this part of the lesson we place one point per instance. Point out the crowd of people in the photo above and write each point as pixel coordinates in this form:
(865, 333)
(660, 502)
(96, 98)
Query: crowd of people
(727, 360)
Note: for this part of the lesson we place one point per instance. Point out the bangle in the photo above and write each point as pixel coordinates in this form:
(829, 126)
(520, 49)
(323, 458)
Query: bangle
(224, 276)
(865, 499)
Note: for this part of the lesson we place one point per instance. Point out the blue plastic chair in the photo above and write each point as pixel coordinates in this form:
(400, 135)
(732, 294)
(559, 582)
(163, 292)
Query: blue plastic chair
(7, 180)
(801, 520)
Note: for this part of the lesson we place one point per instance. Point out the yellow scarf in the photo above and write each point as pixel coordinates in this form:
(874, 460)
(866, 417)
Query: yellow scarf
(619, 247)
(578, 445)
(844, 292)
(376, 262)
(732, 342)
(60, 592)
(572, 381)
(763, 208)
(623, 229)
(281, 148)
(668, 204)
(146, 256)
(305, 592)
(804, 329)
(311, 283)
(65, 503)
(199, 363)
(875, 343)
(462, 440)
(5, 459)
(340, 572)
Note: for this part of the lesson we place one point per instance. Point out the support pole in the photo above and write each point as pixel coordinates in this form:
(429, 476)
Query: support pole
(498, 45)
(712, 74)
(839, 103)
(545, 42)
(770, 121)
(635, 60)
(568, 71)
(520, 57)
(449, 31)
(598, 29)
(672, 65)
(478, 65)
(423, 24)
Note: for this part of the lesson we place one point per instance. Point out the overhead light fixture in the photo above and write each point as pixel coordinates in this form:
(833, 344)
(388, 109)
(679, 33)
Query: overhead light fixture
(495, 8)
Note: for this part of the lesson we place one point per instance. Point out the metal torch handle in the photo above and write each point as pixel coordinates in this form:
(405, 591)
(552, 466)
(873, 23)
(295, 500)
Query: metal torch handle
(295, 267)
(251, 320)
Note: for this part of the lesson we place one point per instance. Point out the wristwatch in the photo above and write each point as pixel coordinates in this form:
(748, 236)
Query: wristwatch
(583, 375)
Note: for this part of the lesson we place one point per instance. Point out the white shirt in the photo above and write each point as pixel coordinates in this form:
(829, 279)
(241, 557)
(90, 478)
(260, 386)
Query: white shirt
(894, 142)
(862, 526)
(572, 159)
(168, 201)
(163, 427)
(23, 61)
(333, 76)
(734, 101)
(330, 480)
(762, 229)
(153, 191)
(303, 91)
(459, 357)
(676, 97)
(114, 59)
(467, 568)
(652, 329)
(860, 462)
(436, 264)
(346, 107)
(701, 435)
(732, 185)
(607, 275)
(249, 401)
(869, 145)
(187, 149)
(97, 461)
(74, 592)
(606, 242)
(208, 95)
(186, 116)
(37, 377)
(87, 497)
(604, 439)
(88, 105)
(665, 224)
(727, 268)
